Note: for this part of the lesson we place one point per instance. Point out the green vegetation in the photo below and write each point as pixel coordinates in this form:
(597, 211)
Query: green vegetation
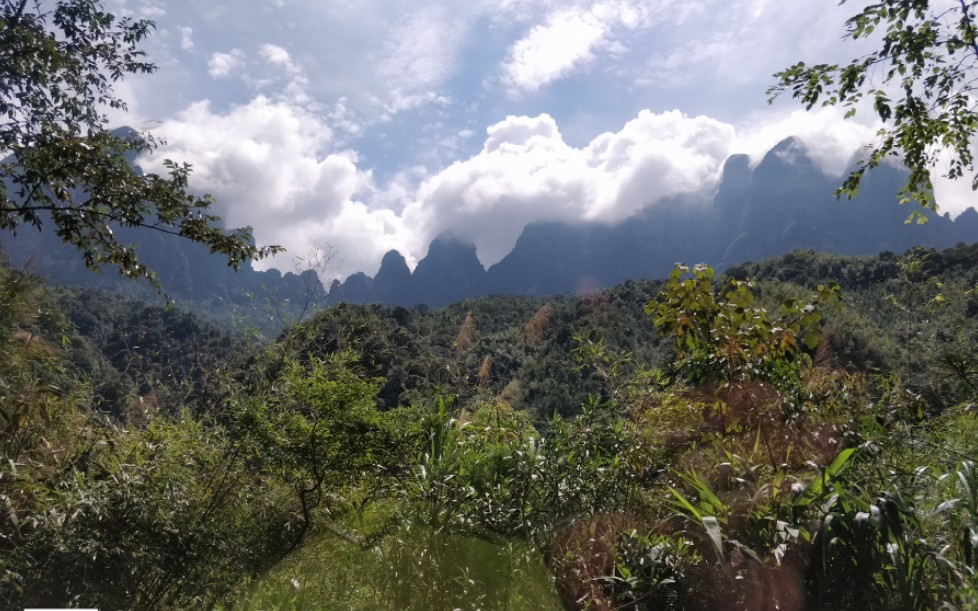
(796, 434)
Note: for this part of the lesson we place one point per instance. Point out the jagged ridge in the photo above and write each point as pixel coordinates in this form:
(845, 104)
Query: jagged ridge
(783, 204)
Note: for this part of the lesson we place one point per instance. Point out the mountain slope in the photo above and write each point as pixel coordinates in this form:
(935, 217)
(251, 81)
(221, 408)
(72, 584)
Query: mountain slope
(786, 202)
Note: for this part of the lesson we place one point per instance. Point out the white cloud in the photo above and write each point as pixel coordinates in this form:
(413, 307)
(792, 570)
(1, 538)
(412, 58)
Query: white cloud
(552, 51)
(953, 195)
(341, 118)
(275, 54)
(150, 11)
(527, 173)
(418, 54)
(279, 160)
(565, 43)
(221, 65)
(401, 101)
(271, 165)
(831, 140)
(421, 50)
(676, 64)
(187, 38)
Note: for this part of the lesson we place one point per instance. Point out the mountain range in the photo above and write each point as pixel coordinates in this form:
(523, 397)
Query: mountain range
(784, 203)
(188, 272)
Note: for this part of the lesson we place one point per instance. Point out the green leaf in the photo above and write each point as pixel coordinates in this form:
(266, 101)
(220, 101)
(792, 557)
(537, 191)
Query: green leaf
(811, 339)
(712, 528)
(685, 504)
(840, 462)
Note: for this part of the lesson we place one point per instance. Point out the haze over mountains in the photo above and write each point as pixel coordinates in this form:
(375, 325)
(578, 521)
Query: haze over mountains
(784, 203)
(187, 270)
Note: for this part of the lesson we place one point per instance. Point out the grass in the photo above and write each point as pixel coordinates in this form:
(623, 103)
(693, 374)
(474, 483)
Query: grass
(413, 567)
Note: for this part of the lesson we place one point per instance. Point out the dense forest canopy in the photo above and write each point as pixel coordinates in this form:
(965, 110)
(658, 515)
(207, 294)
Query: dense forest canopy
(500, 439)
(797, 432)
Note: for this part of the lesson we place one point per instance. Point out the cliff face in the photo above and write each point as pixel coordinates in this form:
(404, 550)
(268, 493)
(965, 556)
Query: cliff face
(450, 272)
(392, 284)
(785, 203)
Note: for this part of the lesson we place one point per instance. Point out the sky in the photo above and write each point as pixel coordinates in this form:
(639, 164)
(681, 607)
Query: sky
(358, 126)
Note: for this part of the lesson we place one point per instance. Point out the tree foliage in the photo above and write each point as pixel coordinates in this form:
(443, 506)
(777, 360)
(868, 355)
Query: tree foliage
(725, 334)
(920, 82)
(58, 65)
(772, 478)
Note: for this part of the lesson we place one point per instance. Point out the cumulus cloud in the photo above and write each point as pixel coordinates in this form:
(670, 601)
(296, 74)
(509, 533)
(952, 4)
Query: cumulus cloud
(222, 65)
(273, 166)
(270, 166)
(953, 195)
(563, 44)
(526, 172)
(275, 54)
(281, 161)
(831, 139)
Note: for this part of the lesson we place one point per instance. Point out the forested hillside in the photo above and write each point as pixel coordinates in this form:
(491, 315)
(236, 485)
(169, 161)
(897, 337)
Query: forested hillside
(697, 442)
(747, 430)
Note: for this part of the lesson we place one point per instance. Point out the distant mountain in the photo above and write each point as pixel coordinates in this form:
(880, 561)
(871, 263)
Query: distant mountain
(188, 271)
(392, 284)
(450, 272)
(785, 203)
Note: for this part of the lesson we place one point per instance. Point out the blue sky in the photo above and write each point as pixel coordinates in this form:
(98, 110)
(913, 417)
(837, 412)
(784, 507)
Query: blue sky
(361, 126)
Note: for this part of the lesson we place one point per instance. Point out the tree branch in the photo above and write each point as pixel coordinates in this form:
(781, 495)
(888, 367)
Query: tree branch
(969, 27)
(108, 215)
(15, 20)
